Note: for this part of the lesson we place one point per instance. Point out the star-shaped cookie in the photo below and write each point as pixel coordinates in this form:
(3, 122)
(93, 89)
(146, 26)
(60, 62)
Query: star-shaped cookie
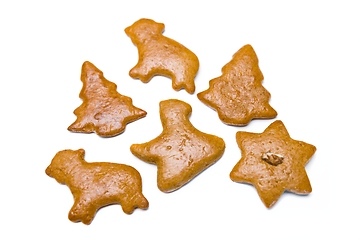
(104, 110)
(181, 151)
(238, 95)
(273, 162)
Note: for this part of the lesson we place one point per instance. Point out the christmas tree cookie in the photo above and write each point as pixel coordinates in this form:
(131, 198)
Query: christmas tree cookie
(238, 95)
(104, 110)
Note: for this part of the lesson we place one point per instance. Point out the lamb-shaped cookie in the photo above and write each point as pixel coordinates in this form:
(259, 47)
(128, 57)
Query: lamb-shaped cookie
(97, 184)
(104, 110)
(159, 55)
(181, 151)
(238, 95)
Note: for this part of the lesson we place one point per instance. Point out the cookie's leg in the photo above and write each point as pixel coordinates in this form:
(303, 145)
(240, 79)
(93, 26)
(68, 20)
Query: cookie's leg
(90, 214)
(183, 78)
(182, 83)
(80, 212)
(141, 202)
(128, 208)
(144, 69)
(190, 81)
(140, 72)
(136, 201)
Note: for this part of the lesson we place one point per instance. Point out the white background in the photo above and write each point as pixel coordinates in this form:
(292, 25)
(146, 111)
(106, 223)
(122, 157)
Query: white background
(308, 53)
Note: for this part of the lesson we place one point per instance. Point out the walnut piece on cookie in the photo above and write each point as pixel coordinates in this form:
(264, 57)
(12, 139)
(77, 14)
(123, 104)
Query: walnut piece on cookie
(97, 184)
(104, 110)
(273, 162)
(238, 95)
(181, 151)
(160, 55)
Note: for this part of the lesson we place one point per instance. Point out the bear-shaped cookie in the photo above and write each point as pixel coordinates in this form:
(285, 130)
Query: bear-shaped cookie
(96, 184)
(160, 55)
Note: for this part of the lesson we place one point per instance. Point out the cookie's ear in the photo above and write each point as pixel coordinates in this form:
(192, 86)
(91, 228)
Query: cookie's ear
(128, 30)
(161, 27)
(81, 152)
(48, 171)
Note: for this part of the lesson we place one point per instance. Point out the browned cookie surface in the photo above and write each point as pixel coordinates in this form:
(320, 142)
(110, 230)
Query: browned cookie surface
(273, 162)
(104, 110)
(238, 95)
(97, 184)
(181, 151)
(160, 55)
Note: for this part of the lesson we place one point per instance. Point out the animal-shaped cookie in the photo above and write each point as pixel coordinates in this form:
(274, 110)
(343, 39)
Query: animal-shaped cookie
(104, 110)
(181, 151)
(273, 162)
(96, 184)
(160, 55)
(238, 95)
